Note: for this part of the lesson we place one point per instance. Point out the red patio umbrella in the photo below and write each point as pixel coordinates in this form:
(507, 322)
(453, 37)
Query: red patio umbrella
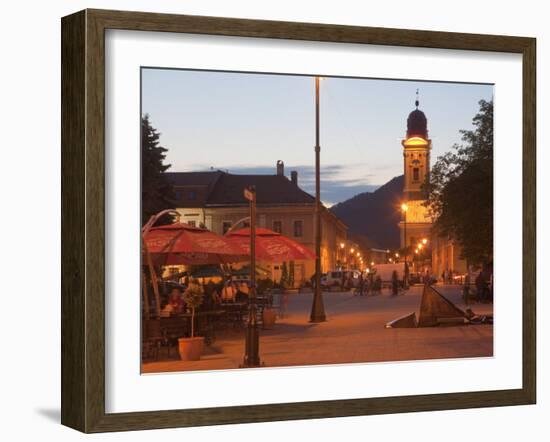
(270, 246)
(180, 243)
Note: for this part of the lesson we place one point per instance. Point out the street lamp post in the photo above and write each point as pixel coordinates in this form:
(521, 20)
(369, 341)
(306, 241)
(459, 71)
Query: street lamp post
(317, 308)
(252, 339)
(405, 208)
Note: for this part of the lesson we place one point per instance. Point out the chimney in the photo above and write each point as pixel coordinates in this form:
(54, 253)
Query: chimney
(280, 168)
(294, 177)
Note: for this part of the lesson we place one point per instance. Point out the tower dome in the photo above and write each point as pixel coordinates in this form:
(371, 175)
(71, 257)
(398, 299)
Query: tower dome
(417, 123)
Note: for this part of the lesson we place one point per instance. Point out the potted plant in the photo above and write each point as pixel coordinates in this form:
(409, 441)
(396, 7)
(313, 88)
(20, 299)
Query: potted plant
(190, 349)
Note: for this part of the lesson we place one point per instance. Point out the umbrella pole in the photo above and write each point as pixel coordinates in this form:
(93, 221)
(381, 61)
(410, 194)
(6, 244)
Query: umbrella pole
(153, 277)
(145, 294)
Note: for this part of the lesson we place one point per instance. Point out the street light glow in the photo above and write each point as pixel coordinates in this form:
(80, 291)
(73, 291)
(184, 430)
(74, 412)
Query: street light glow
(424, 241)
(404, 207)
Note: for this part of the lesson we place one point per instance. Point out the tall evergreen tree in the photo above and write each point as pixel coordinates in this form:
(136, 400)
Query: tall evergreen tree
(460, 189)
(156, 192)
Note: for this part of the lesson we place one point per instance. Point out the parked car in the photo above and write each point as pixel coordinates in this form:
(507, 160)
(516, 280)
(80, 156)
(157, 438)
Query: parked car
(335, 278)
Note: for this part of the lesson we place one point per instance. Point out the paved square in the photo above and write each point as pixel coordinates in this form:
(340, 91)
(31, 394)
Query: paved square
(354, 332)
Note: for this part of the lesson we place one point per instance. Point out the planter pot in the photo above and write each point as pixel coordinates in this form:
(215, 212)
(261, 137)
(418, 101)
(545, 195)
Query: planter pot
(269, 317)
(190, 349)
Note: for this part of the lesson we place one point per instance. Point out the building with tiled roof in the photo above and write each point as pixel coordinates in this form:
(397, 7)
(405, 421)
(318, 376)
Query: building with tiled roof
(215, 200)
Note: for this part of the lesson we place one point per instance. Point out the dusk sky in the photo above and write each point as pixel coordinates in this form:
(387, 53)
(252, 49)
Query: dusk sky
(244, 123)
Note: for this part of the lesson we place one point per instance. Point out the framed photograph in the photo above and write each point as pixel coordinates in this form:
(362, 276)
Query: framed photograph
(267, 221)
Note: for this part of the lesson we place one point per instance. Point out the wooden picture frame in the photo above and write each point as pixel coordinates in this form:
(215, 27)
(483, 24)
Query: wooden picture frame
(83, 219)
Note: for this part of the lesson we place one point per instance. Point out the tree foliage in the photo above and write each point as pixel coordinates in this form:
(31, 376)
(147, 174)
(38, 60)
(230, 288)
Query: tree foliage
(460, 189)
(156, 192)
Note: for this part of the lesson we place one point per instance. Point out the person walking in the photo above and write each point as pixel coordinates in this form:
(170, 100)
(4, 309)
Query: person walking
(361, 284)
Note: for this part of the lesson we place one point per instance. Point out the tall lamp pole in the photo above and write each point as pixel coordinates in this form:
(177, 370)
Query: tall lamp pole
(317, 308)
(405, 208)
(252, 339)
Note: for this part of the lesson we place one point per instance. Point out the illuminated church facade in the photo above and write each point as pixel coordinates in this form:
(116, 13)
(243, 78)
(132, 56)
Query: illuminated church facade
(416, 223)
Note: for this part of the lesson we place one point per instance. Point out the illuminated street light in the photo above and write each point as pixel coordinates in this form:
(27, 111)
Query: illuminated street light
(342, 245)
(404, 209)
(424, 241)
(352, 250)
(372, 263)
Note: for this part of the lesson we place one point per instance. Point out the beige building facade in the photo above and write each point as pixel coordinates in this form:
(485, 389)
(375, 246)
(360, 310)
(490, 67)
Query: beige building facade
(215, 200)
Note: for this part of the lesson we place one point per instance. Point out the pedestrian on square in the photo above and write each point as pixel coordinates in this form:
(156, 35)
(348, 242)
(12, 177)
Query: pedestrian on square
(480, 287)
(370, 287)
(394, 283)
(361, 284)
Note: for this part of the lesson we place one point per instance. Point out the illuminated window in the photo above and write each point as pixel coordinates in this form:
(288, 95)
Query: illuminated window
(416, 174)
(278, 226)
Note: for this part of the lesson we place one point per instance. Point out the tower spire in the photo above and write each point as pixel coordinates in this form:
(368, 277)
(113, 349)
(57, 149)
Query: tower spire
(417, 102)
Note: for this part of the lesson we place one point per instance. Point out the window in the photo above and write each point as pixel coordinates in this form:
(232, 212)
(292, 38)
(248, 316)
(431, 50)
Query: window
(226, 225)
(416, 174)
(192, 223)
(246, 224)
(192, 195)
(298, 228)
(278, 226)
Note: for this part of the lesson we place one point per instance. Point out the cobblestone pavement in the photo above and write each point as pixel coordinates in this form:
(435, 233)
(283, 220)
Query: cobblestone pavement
(354, 332)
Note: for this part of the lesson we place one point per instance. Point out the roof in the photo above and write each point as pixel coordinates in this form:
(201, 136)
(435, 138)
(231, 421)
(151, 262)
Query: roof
(226, 189)
(193, 178)
(417, 124)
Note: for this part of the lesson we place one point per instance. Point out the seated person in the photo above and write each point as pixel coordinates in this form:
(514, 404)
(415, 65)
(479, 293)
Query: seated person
(242, 293)
(175, 301)
(211, 297)
(228, 292)
(166, 310)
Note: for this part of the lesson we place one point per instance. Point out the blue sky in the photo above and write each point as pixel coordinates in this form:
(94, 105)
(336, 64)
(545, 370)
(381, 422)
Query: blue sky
(244, 123)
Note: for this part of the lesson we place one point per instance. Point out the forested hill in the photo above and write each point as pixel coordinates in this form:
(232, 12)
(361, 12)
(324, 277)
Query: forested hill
(374, 215)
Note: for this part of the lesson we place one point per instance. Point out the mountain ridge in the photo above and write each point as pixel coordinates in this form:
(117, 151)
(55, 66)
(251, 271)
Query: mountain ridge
(380, 230)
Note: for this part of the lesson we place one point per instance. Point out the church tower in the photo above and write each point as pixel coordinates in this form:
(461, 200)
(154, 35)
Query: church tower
(416, 223)
(416, 154)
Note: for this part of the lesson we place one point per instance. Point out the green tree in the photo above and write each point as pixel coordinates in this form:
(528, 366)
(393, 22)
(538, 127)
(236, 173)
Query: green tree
(460, 189)
(156, 192)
